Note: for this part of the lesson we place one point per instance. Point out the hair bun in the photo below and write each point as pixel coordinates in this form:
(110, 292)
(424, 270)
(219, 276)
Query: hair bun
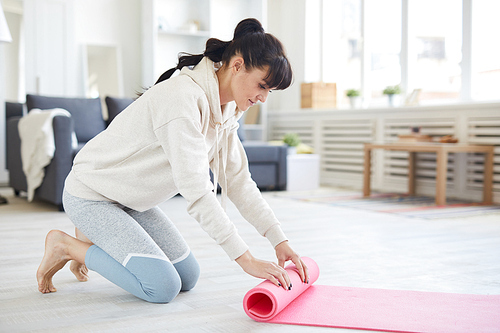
(248, 26)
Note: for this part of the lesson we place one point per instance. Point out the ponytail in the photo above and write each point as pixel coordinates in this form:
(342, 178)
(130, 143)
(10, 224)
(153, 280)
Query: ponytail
(258, 49)
(185, 59)
(214, 49)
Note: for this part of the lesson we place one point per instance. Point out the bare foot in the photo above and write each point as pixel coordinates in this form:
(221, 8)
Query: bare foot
(54, 259)
(81, 271)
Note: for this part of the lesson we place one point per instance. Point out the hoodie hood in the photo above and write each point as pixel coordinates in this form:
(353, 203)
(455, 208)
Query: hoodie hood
(204, 74)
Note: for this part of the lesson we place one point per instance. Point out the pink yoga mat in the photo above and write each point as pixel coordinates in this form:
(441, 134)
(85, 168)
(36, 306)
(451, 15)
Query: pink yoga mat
(370, 309)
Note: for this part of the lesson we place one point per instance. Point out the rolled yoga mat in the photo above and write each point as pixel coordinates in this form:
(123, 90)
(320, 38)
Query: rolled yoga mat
(370, 309)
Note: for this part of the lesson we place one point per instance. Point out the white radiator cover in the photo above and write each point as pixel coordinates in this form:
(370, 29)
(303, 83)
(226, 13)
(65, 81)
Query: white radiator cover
(338, 137)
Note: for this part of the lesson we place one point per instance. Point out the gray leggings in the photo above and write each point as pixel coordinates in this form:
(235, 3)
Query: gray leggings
(141, 252)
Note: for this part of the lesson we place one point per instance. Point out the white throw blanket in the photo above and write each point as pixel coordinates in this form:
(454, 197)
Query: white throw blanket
(37, 144)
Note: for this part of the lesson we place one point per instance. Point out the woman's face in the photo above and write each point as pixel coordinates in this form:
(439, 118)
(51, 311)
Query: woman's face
(249, 87)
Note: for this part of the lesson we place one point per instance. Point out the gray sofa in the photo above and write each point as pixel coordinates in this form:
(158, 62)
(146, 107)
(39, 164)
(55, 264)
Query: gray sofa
(267, 163)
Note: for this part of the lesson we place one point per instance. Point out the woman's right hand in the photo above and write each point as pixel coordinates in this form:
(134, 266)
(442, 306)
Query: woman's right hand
(264, 270)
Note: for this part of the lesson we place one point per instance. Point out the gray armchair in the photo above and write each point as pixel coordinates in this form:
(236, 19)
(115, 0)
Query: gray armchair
(12, 109)
(267, 163)
(86, 120)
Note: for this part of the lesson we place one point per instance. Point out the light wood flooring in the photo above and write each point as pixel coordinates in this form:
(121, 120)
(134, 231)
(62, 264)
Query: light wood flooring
(352, 247)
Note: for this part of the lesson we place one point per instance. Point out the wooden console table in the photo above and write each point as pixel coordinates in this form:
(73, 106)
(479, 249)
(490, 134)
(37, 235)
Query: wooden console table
(441, 150)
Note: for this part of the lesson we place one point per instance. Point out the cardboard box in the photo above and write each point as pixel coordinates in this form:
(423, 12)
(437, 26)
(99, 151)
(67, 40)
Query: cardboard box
(318, 95)
(252, 115)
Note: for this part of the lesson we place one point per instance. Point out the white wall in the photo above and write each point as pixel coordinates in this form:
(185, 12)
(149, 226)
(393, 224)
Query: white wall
(286, 21)
(113, 23)
(52, 62)
(233, 12)
(11, 57)
(8, 81)
(57, 32)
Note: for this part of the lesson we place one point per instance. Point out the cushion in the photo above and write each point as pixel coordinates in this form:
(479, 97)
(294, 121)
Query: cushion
(116, 105)
(85, 112)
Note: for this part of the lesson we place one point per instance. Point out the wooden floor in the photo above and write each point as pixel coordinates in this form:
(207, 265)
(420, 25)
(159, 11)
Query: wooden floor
(352, 247)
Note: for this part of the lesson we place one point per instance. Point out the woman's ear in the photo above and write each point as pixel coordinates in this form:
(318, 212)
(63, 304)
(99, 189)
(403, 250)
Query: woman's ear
(237, 64)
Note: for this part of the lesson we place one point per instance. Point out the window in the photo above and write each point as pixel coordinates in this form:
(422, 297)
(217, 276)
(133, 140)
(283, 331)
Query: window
(383, 43)
(436, 31)
(342, 45)
(485, 52)
(364, 42)
(432, 48)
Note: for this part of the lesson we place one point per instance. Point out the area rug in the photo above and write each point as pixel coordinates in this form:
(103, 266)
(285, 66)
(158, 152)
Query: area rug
(396, 203)
(370, 309)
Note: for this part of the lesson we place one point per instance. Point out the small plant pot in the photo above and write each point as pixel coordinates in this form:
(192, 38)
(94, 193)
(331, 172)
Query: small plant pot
(393, 100)
(355, 102)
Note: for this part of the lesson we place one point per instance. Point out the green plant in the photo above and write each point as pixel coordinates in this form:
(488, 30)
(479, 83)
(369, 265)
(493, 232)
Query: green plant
(392, 90)
(353, 93)
(291, 139)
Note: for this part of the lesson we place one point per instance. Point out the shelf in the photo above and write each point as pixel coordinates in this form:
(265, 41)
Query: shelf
(184, 33)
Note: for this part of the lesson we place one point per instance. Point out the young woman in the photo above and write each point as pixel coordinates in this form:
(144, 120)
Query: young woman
(163, 144)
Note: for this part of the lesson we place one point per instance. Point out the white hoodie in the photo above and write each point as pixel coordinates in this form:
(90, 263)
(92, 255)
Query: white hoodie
(164, 144)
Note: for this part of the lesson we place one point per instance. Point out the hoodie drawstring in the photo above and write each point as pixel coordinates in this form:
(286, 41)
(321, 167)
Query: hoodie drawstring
(217, 163)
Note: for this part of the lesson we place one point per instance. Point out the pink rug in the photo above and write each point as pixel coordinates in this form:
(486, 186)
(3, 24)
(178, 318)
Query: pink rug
(401, 204)
(370, 309)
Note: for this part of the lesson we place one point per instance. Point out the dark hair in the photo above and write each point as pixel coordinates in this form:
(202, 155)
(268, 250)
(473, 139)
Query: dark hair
(258, 49)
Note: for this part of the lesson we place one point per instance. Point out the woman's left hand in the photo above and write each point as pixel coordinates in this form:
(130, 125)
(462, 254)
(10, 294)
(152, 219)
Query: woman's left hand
(285, 253)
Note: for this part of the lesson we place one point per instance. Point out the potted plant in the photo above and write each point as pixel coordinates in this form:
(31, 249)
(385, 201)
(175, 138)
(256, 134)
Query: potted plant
(390, 91)
(353, 95)
(292, 140)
